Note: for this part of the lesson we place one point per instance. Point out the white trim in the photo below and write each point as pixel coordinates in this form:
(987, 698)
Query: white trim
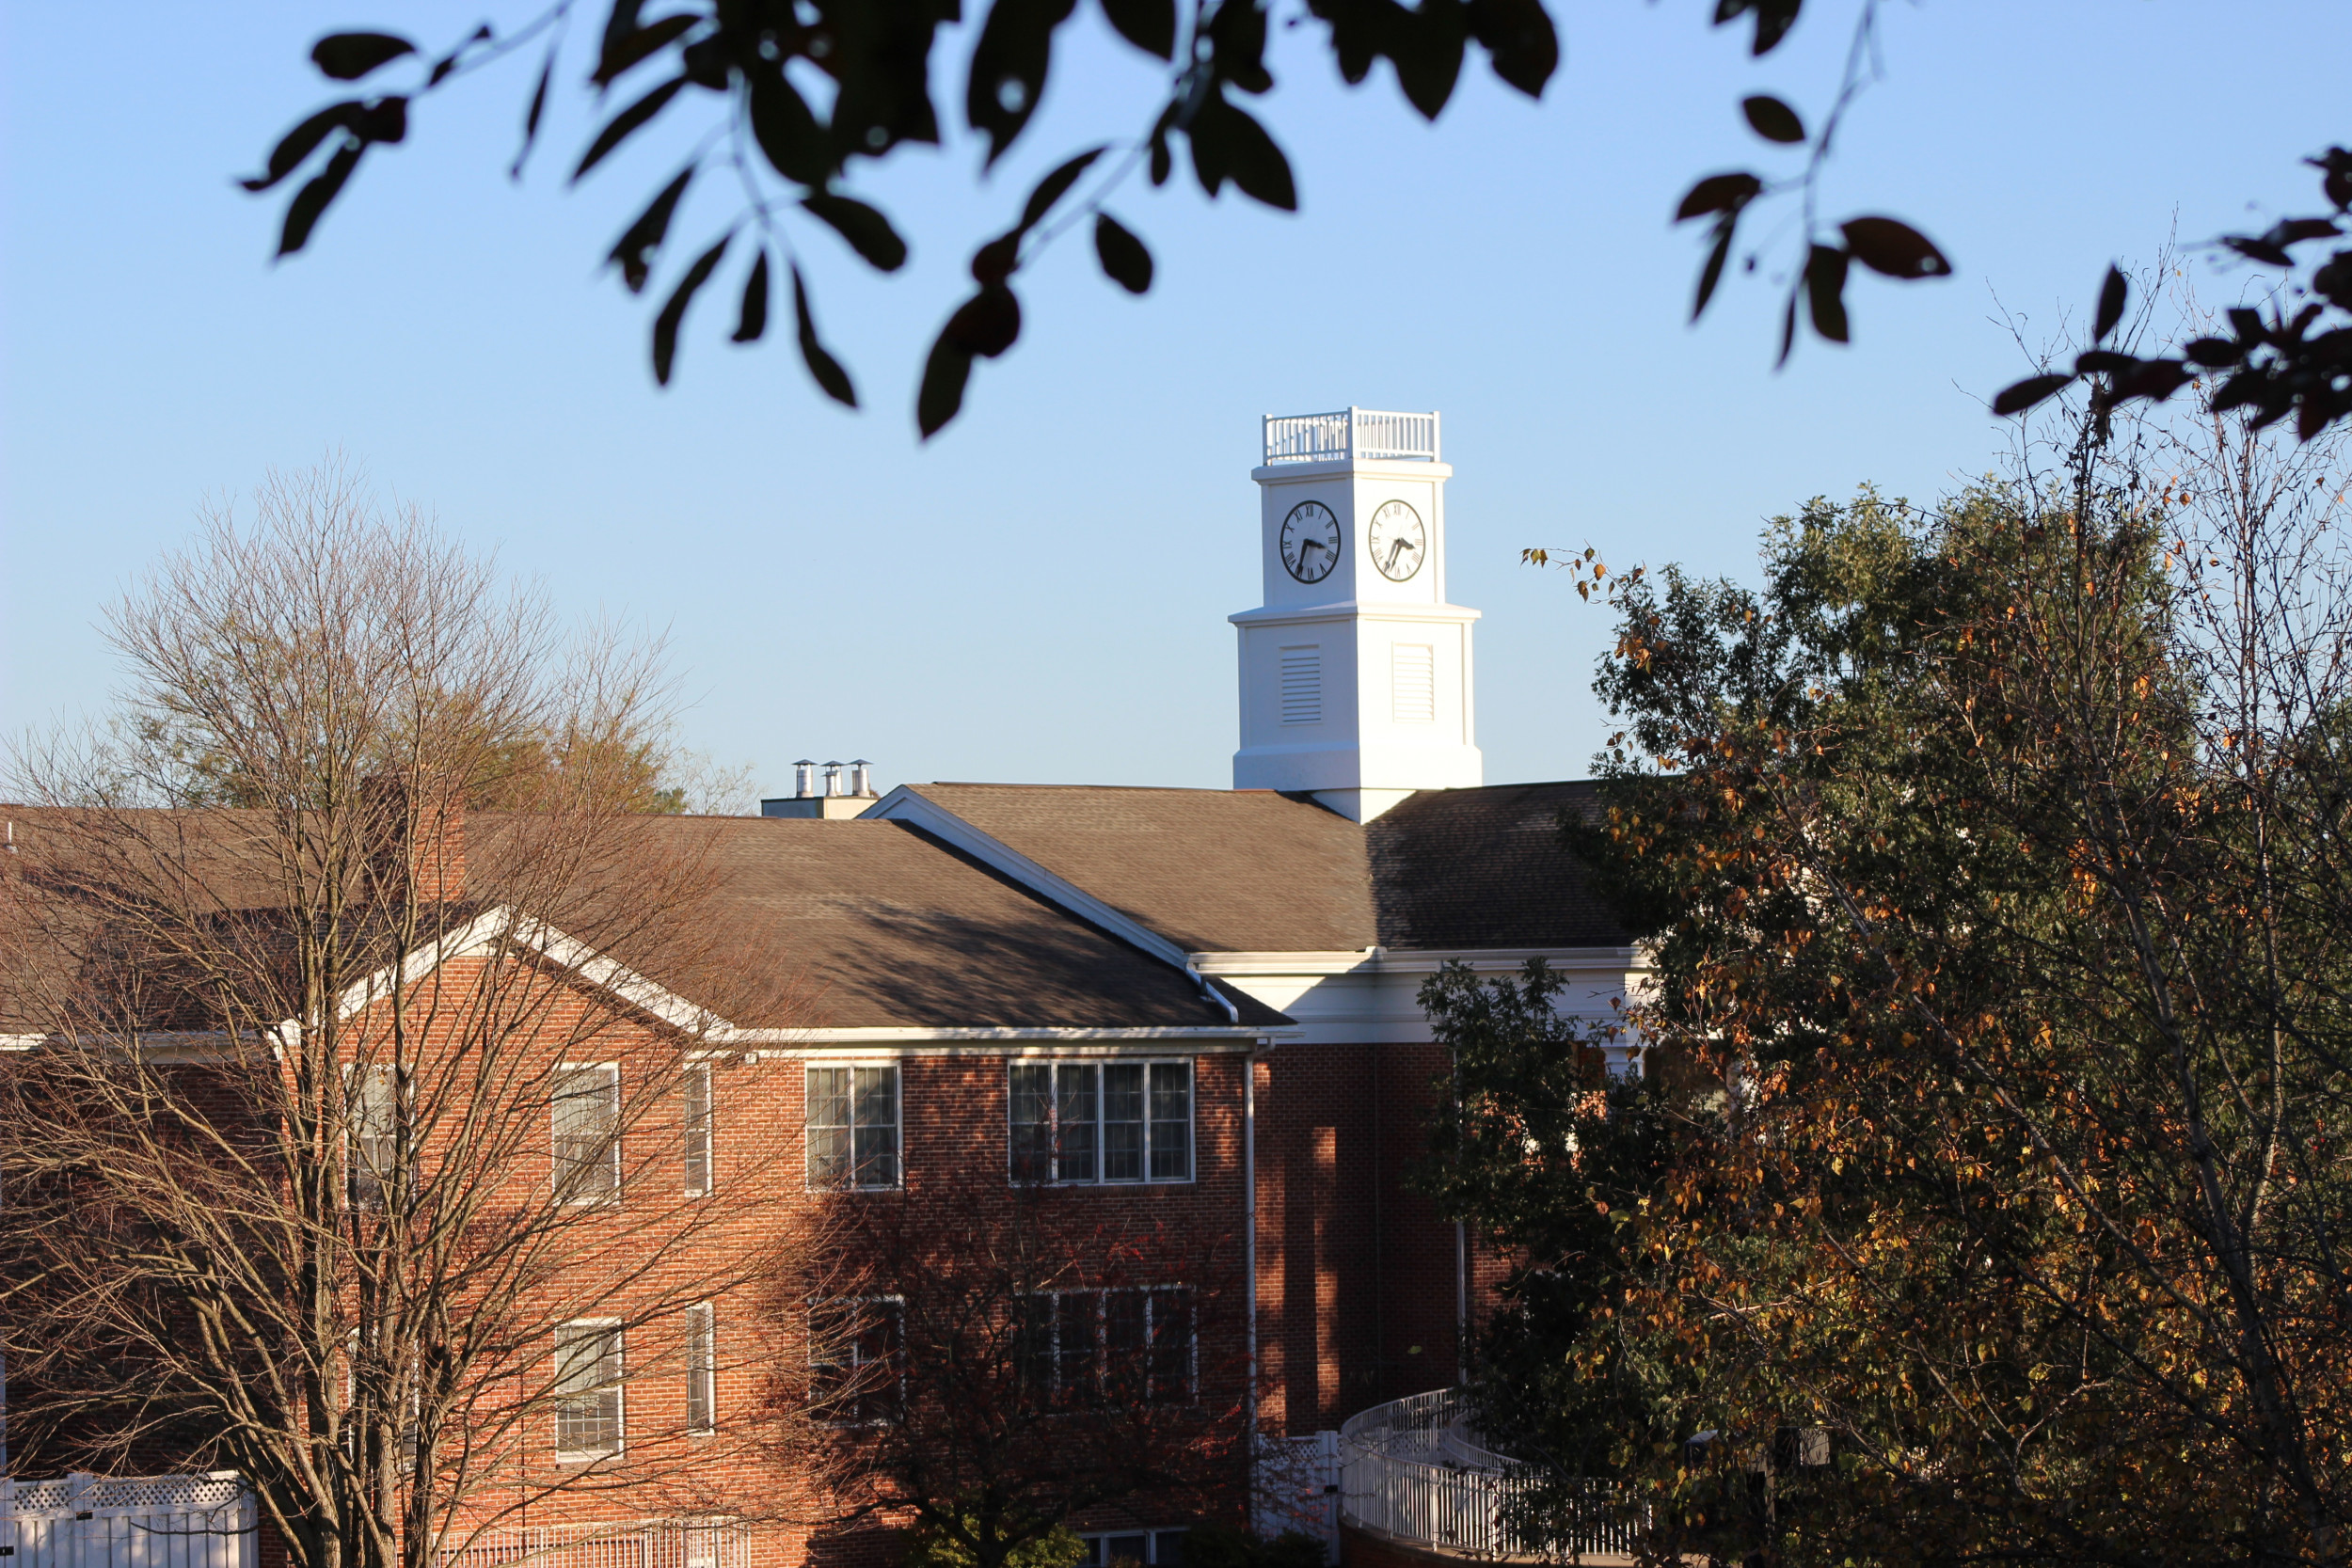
(619, 1387)
(909, 805)
(898, 1123)
(884, 1033)
(1418, 960)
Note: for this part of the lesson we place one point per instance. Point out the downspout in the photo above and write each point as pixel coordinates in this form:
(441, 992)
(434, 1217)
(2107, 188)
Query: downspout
(1250, 1234)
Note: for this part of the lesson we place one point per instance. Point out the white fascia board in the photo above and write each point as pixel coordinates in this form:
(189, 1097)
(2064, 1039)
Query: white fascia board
(900, 1032)
(1381, 960)
(502, 922)
(1353, 611)
(907, 804)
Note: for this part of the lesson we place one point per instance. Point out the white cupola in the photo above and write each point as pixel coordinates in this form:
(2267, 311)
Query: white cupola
(1355, 672)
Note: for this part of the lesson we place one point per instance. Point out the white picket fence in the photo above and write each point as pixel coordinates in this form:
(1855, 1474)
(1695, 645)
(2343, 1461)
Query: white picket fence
(85, 1521)
(1413, 1470)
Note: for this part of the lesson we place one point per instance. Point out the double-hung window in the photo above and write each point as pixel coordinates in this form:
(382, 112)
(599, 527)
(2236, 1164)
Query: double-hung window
(853, 1126)
(854, 1344)
(1100, 1121)
(1124, 1347)
(697, 1113)
(1159, 1548)
(377, 1137)
(702, 1369)
(587, 1118)
(588, 1412)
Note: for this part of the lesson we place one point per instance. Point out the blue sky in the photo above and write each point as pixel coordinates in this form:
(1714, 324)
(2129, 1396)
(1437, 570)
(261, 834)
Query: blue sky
(1039, 594)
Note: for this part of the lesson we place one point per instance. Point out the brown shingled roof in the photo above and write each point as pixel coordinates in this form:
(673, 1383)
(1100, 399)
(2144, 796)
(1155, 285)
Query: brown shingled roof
(1252, 871)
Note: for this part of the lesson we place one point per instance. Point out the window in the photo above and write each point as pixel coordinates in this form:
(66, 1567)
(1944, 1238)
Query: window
(853, 1126)
(702, 1368)
(1111, 1122)
(1124, 1347)
(697, 1108)
(587, 1389)
(375, 1138)
(588, 1134)
(1157, 1548)
(853, 1347)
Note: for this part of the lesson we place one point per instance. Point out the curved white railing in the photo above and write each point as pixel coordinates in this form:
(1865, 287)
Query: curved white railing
(1413, 1470)
(1367, 434)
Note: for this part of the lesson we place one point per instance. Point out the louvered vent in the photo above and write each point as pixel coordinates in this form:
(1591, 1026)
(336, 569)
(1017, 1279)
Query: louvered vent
(1302, 685)
(1413, 682)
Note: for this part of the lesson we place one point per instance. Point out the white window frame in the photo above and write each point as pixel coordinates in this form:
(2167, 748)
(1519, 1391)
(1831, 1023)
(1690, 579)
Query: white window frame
(1100, 1371)
(617, 1388)
(702, 1369)
(809, 1126)
(897, 1306)
(559, 1163)
(356, 1139)
(1097, 1544)
(700, 1114)
(1093, 1176)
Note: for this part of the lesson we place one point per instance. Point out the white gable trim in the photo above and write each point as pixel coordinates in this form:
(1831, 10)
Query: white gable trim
(907, 804)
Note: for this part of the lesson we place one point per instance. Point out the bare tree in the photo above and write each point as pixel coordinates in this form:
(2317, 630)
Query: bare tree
(351, 1143)
(989, 1371)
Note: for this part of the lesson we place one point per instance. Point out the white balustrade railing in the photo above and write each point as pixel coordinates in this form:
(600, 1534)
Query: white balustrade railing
(1351, 433)
(641, 1543)
(1413, 1470)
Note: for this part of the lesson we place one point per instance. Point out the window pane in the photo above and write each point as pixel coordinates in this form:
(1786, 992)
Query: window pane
(698, 1128)
(1172, 1347)
(701, 1368)
(1172, 1122)
(1032, 1089)
(1167, 1548)
(828, 1126)
(587, 1118)
(1074, 1111)
(1131, 1549)
(1075, 1345)
(876, 1143)
(1033, 1345)
(853, 1358)
(1122, 1122)
(374, 1146)
(1126, 1336)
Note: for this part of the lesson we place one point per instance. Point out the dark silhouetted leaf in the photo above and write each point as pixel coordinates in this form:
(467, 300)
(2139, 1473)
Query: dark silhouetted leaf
(633, 252)
(1774, 18)
(987, 324)
(2027, 393)
(1788, 330)
(1008, 67)
(446, 63)
(2112, 293)
(2336, 177)
(627, 123)
(672, 315)
(310, 202)
(531, 117)
(941, 393)
(1149, 25)
(868, 233)
(753, 319)
(2213, 353)
(1719, 192)
(1521, 43)
(1428, 57)
(1712, 273)
(996, 261)
(1825, 292)
(348, 56)
(1227, 143)
(1124, 260)
(2105, 361)
(641, 44)
(383, 120)
(1891, 246)
(788, 132)
(2247, 325)
(1236, 36)
(1055, 186)
(1773, 119)
(823, 366)
(300, 142)
(2153, 379)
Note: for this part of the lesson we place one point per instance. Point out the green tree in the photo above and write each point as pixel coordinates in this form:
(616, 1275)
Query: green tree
(1993, 857)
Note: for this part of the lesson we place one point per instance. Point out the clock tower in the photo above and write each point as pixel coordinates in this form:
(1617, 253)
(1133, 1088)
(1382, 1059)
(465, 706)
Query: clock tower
(1355, 672)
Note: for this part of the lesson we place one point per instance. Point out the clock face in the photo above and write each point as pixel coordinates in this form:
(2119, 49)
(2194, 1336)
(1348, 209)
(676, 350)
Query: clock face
(1310, 541)
(1397, 541)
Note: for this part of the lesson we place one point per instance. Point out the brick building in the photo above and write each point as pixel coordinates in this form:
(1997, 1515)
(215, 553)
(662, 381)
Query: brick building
(1191, 1009)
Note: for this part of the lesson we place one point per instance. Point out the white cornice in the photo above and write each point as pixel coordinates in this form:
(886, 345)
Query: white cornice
(1383, 960)
(1351, 611)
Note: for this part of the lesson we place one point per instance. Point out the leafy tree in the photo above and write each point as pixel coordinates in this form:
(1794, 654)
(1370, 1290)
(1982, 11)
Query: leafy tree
(793, 93)
(1994, 855)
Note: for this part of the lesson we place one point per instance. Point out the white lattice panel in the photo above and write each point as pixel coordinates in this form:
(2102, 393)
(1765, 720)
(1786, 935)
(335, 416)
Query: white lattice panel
(128, 1522)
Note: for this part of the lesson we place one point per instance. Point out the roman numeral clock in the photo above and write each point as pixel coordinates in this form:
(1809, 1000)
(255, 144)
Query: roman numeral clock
(1355, 672)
